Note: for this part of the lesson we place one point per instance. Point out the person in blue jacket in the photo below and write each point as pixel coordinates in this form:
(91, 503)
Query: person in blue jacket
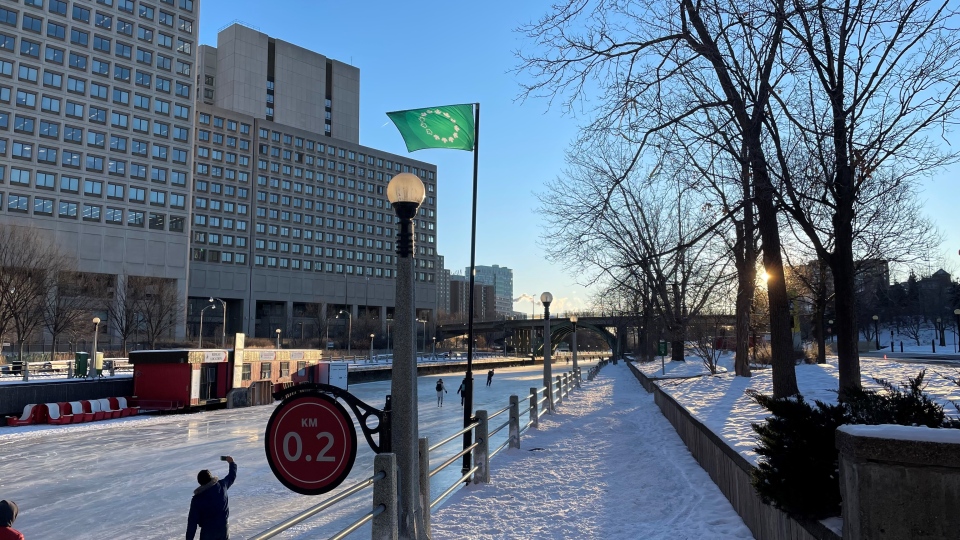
(210, 508)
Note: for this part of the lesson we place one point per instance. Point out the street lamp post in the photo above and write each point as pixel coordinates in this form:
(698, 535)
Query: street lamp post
(434, 353)
(92, 368)
(573, 346)
(349, 327)
(223, 331)
(406, 192)
(278, 337)
(200, 333)
(545, 299)
(371, 347)
(876, 329)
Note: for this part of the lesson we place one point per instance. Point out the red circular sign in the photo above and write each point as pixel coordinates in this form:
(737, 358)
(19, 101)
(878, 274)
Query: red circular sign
(311, 443)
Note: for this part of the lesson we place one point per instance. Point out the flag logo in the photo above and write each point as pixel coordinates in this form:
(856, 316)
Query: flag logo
(442, 128)
(450, 126)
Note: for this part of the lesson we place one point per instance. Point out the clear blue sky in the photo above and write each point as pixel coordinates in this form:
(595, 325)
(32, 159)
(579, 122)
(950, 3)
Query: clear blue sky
(426, 53)
(423, 53)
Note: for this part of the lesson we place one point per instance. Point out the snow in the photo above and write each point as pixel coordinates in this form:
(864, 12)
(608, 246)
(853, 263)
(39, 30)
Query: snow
(720, 402)
(607, 465)
(904, 433)
(692, 366)
(611, 467)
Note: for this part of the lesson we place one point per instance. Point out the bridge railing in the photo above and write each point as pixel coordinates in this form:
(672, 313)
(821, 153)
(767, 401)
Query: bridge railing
(383, 516)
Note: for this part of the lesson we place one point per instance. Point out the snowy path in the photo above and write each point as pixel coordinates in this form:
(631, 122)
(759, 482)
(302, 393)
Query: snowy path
(610, 467)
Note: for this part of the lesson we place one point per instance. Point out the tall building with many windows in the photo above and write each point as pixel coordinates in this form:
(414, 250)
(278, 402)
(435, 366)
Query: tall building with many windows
(96, 130)
(501, 279)
(234, 172)
(291, 223)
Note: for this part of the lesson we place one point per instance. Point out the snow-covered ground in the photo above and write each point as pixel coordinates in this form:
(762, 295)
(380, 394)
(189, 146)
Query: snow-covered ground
(720, 402)
(607, 466)
(132, 478)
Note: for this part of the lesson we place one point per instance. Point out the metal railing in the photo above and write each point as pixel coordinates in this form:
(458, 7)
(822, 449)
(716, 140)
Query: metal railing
(384, 513)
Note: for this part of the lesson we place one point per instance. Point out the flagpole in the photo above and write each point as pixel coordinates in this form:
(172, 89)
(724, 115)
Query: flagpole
(468, 398)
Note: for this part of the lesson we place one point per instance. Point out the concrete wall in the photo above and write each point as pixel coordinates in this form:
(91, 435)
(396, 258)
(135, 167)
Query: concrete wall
(899, 482)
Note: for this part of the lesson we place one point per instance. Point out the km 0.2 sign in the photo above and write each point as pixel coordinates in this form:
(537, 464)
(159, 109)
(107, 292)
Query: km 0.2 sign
(311, 443)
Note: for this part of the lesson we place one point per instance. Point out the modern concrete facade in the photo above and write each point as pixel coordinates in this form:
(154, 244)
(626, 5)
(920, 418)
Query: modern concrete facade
(292, 225)
(96, 129)
(234, 171)
(443, 287)
(501, 279)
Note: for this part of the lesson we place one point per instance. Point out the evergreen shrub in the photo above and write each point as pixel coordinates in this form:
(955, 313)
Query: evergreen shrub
(799, 469)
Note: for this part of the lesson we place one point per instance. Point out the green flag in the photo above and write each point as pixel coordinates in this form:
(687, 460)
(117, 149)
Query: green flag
(449, 126)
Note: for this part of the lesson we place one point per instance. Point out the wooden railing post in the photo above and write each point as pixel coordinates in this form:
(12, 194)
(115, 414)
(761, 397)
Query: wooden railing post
(385, 525)
(481, 454)
(559, 390)
(514, 422)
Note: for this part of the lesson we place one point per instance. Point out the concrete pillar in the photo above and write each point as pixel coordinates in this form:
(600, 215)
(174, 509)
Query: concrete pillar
(514, 422)
(534, 417)
(289, 331)
(425, 482)
(481, 454)
(899, 481)
(385, 493)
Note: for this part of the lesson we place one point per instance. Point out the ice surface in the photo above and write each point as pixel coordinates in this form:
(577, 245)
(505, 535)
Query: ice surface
(132, 478)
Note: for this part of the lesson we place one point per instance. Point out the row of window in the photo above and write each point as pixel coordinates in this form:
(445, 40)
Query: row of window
(204, 135)
(81, 13)
(66, 183)
(43, 206)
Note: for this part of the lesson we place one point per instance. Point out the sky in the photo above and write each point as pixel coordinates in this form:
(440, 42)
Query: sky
(425, 53)
(428, 53)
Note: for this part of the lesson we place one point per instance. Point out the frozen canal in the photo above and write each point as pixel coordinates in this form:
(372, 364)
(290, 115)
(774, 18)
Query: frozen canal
(132, 478)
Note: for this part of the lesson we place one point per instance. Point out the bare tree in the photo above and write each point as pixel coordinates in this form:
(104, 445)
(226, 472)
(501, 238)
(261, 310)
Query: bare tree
(875, 83)
(645, 59)
(123, 309)
(159, 304)
(67, 307)
(29, 262)
(706, 334)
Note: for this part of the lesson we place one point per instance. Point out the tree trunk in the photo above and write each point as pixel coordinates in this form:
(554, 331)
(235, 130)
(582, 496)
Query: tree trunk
(848, 355)
(745, 291)
(783, 368)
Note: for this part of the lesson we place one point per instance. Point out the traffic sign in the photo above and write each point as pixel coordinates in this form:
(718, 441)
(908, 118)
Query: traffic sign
(310, 443)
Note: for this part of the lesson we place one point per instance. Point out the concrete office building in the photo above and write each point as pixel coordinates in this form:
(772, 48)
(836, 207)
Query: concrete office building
(501, 279)
(291, 225)
(443, 288)
(96, 117)
(484, 300)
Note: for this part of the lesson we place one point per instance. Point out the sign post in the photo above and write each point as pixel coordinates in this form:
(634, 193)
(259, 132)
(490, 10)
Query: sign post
(310, 443)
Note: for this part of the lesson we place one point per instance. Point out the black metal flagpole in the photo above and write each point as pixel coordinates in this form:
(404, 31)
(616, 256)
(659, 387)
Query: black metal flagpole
(468, 387)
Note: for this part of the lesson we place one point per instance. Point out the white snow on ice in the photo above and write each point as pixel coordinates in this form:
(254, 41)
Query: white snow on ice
(611, 468)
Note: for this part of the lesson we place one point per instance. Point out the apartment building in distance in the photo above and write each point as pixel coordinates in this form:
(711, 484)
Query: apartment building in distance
(290, 216)
(501, 279)
(96, 131)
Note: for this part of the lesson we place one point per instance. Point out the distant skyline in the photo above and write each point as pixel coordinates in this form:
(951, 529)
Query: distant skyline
(429, 53)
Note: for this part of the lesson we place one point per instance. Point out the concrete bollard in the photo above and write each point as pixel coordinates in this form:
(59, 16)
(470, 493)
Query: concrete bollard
(481, 454)
(534, 417)
(424, 449)
(514, 422)
(385, 524)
